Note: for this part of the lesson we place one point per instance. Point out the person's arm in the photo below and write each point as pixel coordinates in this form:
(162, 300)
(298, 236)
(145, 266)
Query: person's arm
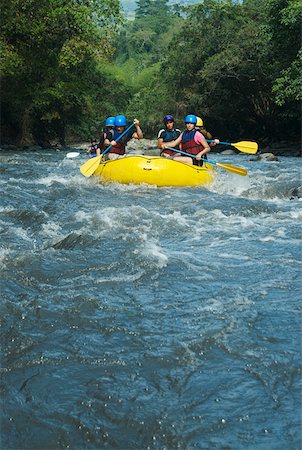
(160, 142)
(171, 143)
(160, 138)
(200, 139)
(107, 141)
(138, 134)
(208, 136)
(215, 142)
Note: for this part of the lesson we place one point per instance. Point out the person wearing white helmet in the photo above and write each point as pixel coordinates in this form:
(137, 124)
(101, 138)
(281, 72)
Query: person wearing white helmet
(200, 126)
(118, 149)
(191, 141)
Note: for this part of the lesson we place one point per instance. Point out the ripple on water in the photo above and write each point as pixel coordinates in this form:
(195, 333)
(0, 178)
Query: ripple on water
(138, 317)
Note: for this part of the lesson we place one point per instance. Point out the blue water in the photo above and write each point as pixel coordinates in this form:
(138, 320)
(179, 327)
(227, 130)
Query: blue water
(136, 317)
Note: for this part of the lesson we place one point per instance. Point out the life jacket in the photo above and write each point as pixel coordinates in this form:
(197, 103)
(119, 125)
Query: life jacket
(107, 134)
(188, 143)
(169, 136)
(92, 151)
(120, 147)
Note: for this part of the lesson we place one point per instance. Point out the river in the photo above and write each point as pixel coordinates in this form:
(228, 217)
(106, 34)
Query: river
(136, 317)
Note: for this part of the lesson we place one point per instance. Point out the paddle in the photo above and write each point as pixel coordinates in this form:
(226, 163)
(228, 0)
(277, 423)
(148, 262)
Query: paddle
(72, 155)
(90, 166)
(235, 169)
(243, 146)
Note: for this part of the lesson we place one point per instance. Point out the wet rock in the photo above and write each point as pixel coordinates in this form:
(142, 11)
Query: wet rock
(255, 158)
(143, 147)
(229, 151)
(268, 157)
(295, 193)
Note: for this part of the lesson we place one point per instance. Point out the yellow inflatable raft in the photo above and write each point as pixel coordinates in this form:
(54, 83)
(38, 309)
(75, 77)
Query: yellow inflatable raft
(154, 170)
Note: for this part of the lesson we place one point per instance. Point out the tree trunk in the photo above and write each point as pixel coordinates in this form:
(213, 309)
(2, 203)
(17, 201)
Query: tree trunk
(26, 137)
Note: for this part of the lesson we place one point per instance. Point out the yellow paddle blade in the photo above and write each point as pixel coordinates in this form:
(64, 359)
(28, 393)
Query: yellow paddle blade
(235, 169)
(246, 147)
(90, 166)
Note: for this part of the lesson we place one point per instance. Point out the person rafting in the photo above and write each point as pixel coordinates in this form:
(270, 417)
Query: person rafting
(92, 149)
(107, 133)
(200, 126)
(168, 134)
(118, 149)
(192, 141)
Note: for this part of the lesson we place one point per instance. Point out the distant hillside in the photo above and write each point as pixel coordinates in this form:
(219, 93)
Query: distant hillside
(129, 6)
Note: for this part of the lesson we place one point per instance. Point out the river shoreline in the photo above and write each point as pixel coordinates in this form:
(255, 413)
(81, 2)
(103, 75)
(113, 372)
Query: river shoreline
(149, 146)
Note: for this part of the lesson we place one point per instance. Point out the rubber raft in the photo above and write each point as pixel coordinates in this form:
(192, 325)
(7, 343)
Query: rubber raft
(154, 170)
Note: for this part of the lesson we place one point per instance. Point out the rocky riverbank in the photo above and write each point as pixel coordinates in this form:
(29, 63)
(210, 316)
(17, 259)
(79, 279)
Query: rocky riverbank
(149, 147)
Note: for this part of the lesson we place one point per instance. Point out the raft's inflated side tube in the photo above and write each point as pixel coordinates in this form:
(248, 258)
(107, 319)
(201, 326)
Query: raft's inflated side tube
(154, 170)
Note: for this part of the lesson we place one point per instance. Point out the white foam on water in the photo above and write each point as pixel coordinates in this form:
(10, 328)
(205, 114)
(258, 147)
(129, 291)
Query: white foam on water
(50, 179)
(234, 256)
(124, 277)
(51, 229)
(267, 239)
(21, 233)
(4, 252)
(150, 249)
(116, 218)
(204, 220)
(176, 217)
(230, 184)
(295, 214)
(6, 209)
(281, 232)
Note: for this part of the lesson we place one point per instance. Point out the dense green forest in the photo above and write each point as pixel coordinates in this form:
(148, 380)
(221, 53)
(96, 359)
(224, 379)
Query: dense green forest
(67, 65)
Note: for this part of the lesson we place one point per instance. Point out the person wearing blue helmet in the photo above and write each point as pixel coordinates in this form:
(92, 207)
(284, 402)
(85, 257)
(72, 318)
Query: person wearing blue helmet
(168, 134)
(110, 121)
(191, 141)
(106, 134)
(118, 149)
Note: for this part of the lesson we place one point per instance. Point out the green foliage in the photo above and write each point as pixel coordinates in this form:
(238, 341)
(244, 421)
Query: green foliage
(288, 87)
(10, 60)
(66, 65)
(229, 71)
(144, 39)
(50, 53)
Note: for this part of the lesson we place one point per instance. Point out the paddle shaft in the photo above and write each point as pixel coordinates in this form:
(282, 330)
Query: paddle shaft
(191, 156)
(229, 167)
(220, 142)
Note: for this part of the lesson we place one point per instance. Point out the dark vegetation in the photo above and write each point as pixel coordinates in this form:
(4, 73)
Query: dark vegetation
(67, 65)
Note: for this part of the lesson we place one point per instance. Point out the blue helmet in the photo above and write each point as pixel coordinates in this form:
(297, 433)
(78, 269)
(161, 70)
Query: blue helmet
(110, 121)
(190, 118)
(120, 121)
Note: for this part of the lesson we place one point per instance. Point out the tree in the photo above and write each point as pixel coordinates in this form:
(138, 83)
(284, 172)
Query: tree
(50, 51)
(228, 74)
